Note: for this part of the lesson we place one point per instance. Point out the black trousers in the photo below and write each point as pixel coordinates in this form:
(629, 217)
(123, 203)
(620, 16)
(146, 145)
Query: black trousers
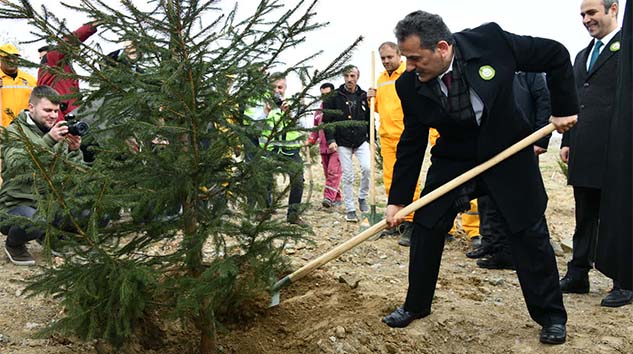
(492, 228)
(295, 173)
(586, 233)
(532, 254)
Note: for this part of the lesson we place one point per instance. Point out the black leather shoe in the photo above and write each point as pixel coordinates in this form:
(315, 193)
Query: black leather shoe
(553, 334)
(574, 285)
(401, 318)
(617, 297)
(479, 252)
(495, 261)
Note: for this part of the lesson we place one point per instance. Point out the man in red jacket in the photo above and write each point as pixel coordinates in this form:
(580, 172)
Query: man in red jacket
(55, 60)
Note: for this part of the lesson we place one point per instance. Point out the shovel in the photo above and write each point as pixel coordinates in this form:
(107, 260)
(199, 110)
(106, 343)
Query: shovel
(372, 217)
(440, 191)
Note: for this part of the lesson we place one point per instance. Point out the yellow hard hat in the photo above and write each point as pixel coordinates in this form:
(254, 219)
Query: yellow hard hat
(8, 49)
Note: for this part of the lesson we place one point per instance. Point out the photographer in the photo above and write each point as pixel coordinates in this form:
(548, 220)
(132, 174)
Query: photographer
(18, 195)
(278, 138)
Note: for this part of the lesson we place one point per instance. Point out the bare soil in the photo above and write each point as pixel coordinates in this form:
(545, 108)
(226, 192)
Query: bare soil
(475, 310)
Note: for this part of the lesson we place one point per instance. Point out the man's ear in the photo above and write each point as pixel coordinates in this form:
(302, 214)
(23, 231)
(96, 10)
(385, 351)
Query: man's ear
(442, 46)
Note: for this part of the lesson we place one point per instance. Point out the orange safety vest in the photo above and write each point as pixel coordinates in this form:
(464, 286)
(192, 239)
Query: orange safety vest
(15, 94)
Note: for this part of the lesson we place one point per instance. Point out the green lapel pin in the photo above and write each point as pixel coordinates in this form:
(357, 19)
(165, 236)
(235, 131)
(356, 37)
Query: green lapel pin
(487, 72)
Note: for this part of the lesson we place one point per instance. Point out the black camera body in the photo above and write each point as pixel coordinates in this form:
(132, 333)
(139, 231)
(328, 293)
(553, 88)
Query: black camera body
(278, 99)
(76, 127)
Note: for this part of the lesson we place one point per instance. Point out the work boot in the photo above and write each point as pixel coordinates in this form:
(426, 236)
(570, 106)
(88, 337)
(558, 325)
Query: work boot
(363, 206)
(406, 230)
(296, 220)
(19, 255)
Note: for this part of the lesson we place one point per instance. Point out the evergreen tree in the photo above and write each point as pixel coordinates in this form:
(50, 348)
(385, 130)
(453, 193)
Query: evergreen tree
(190, 234)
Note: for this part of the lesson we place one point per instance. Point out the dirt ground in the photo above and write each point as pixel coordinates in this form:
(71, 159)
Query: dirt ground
(475, 310)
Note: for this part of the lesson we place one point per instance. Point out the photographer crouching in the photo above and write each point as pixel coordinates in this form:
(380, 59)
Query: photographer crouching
(19, 195)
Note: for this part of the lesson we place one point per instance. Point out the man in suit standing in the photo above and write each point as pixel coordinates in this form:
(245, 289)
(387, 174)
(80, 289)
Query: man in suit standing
(584, 147)
(461, 84)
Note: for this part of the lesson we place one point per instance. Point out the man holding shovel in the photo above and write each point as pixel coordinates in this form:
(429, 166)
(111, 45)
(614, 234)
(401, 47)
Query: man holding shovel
(461, 84)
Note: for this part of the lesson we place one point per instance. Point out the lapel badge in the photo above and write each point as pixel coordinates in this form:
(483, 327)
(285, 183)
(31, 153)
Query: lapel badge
(615, 46)
(487, 72)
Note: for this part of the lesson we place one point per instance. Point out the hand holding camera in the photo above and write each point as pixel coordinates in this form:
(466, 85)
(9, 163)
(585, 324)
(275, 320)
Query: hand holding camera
(76, 127)
(280, 102)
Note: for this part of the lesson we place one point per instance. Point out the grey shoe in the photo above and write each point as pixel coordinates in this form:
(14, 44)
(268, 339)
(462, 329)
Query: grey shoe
(327, 203)
(19, 255)
(363, 206)
(351, 216)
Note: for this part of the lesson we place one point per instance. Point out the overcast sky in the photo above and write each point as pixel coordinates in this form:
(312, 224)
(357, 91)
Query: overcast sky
(375, 20)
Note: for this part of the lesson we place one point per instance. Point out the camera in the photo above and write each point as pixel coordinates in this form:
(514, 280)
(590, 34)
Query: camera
(278, 99)
(76, 127)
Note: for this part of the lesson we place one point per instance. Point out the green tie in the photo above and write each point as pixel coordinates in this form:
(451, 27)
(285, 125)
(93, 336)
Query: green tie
(595, 53)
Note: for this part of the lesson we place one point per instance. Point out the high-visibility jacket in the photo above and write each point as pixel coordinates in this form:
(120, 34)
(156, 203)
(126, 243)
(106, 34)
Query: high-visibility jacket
(388, 105)
(391, 125)
(14, 95)
(275, 134)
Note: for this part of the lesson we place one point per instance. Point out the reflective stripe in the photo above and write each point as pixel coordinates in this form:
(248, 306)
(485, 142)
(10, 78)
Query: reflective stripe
(17, 87)
(392, 82)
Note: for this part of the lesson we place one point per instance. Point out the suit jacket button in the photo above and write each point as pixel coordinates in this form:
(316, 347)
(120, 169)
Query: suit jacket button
(582, 106)
(586, 84)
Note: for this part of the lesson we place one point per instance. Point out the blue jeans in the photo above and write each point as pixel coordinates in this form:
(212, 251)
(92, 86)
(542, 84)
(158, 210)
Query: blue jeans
(18, 235)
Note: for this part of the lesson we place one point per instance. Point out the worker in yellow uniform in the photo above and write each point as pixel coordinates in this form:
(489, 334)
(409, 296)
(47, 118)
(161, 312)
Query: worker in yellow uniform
(15, 84)
(469, 218)
(391, 124)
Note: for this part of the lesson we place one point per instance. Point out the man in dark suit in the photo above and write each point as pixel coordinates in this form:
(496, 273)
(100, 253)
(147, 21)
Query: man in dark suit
(584, 147)
(461, 84)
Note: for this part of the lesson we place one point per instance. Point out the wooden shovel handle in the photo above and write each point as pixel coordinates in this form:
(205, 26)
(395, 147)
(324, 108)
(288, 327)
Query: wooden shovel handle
(372, 135)
(450, 185)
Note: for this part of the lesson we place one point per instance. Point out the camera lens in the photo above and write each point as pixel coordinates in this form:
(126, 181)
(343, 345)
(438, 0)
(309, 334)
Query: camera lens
(80, 128)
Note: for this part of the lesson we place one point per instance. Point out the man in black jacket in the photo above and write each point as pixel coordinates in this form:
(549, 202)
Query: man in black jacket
(584, 148)
(461, 84)
(349, 104)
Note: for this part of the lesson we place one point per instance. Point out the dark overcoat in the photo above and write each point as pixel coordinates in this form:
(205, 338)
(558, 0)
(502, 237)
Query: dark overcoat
(587, 141)
(491, 57)
(614, 252)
